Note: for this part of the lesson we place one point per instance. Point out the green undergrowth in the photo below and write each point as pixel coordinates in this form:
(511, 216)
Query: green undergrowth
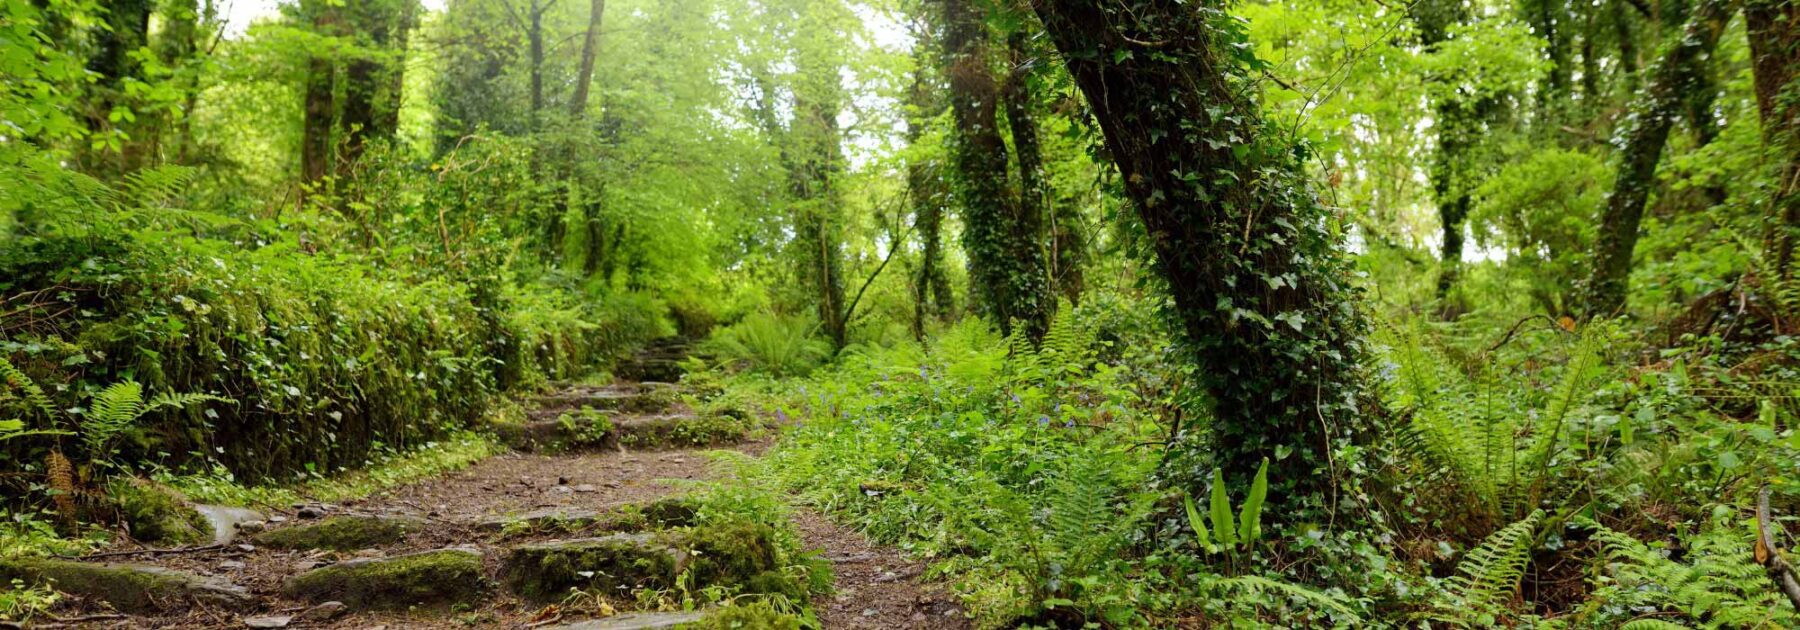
(455, 452)
(1536, 479)
(750, 562)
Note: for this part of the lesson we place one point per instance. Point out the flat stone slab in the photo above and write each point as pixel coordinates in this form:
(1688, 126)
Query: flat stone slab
(128, 587)
(544, 519)
(224, 520)
(343, 533)
(618, 565)
(637, 621)
(428, 578)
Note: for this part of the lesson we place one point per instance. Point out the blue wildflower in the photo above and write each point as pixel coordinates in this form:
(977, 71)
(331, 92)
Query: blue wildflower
(1044, 420)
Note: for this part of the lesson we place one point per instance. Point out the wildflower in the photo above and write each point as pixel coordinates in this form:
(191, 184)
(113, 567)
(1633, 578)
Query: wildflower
(781, 415)
(1044, 420)
(1070, 424)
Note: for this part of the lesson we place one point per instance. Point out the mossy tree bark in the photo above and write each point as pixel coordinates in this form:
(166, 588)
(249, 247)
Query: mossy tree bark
(1004, 239)
(319, 102)
(929, 196)
(1261, 289)
(1774, 33)
(1647, 131)
(590, 48)
(1458, 131)
(127, 29)
(369, 78)
(1066, 245)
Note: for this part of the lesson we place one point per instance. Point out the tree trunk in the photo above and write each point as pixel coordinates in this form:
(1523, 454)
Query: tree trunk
(1774, 30)
(589, 49)
(371, 100)
(319, 103)
(1628, 54)
(1261, 288)
(927, 192)
(536, 36)
(1649, 124)
(1458, 128)
(1035, 197)
(1003, 238)
(813, 178)
(127, 30)
(393, 94)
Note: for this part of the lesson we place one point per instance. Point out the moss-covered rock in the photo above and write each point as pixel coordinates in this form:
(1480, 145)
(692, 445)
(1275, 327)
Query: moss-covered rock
(641, 621)
(430, 578)
(557, 519)
(159, 514)
(343, 533)
(616, 564)
(760, 615)
(680, 430)
(738, 554)
(127, 587)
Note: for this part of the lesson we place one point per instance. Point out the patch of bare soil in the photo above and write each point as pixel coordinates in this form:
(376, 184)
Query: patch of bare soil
(877, 585)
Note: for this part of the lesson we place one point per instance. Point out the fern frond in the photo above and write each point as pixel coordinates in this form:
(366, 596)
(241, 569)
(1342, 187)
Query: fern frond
(112, 411)
(34, 395)
(1257, 587)
(1492, 570)
(1652, 624)
(182, 401)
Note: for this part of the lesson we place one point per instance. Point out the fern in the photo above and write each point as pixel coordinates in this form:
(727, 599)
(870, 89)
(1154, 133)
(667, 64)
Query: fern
(34, 395)
(1257, 588)
(1720, 585)
(110, 413)
(1080, 507)
(1490, 572)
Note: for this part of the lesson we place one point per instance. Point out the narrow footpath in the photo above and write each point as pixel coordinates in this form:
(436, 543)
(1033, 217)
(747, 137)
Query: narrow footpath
(498, 545)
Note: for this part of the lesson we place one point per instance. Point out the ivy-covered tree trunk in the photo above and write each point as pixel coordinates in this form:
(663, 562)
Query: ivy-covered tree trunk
(590, 48)
(319, 102)
(928, 195)
(127, 29)
(1261, 289)
(1458, 128)
(1774, 33)
(1647, 131)
(1005, 241)
(1066, 244)
(368, 80)
(534, 36)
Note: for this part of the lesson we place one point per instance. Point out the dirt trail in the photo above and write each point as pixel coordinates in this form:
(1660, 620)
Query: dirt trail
(877, 587)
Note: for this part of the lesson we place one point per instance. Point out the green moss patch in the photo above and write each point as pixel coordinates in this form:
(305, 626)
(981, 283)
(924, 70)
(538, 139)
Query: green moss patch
(431, 578)
(343, 533)
(681, 430)
(158, 514)
(614, 565)
(129, 588)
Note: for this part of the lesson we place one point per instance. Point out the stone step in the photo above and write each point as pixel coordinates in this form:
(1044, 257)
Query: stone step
(659, 369)
(739, 555)
(636, 399)
(429, 578)
(660, 514)
(615, 565)
(343, 533)
(129, 588)
(637, 621)
(640, 432)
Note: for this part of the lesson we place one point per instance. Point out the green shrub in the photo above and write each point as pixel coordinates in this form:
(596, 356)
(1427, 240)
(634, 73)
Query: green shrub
(779, 346)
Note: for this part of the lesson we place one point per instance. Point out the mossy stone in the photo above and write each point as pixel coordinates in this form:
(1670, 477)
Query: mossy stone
(615, 565)
(343, 533)
(129, 588)
(731, 554)
(158, 514)
(430, 578)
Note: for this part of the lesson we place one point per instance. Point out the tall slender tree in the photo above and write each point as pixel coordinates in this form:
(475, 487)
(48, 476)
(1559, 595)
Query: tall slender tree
(1647, 131)
(1261, 290)
(590, 48)
(1774, 32)
(319, 104)
(1004, 239)
(928, 193)
(114, 65)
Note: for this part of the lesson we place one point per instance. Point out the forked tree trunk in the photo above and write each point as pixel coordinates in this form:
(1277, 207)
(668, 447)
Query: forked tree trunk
(589, 49)
(1005, 241)
(1261, 287)
(1646, 133)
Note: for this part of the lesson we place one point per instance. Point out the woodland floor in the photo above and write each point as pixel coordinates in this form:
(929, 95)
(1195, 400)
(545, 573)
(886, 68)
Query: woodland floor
(876, 586)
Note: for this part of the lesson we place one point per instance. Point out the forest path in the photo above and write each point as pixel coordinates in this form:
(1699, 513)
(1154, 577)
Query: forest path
(514, 501)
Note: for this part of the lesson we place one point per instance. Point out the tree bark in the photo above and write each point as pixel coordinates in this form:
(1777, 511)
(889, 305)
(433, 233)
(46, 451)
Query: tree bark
(1261, 288)
(1005, 241)
(1774, 33)
(319, 104)
(589, 49)
(127, 29)
(535, 35)
(1628, 54)
(928, 195)
(1458, 128)
(1646, 134)
(1066, 244)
